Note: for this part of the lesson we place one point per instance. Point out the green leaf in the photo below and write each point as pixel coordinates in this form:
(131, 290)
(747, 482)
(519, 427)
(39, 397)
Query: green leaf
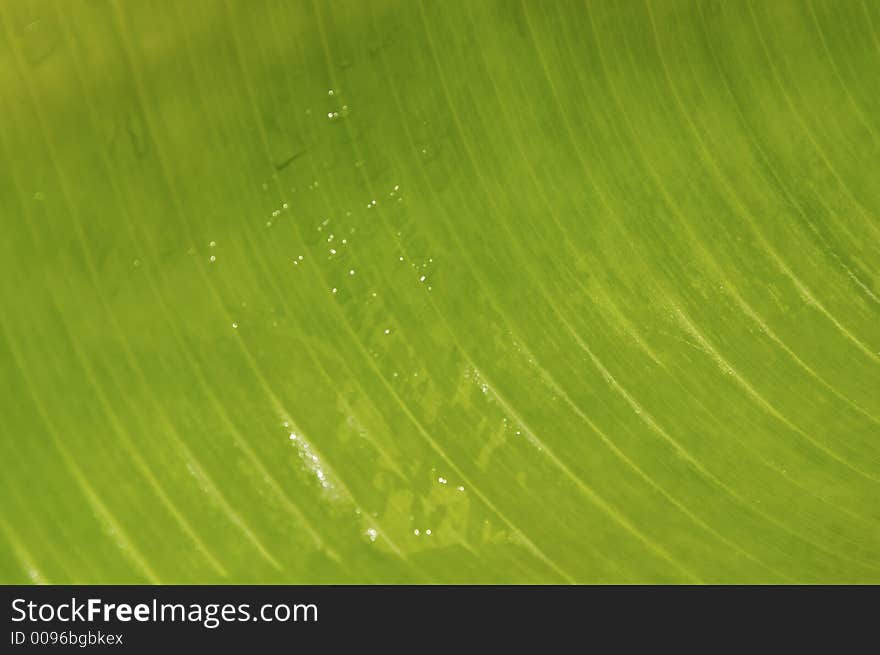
(440, 291)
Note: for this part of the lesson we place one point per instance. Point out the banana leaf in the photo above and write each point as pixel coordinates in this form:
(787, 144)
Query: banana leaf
(440, 291)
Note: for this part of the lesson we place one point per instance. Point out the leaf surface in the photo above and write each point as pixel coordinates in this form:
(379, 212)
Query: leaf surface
(421, 291)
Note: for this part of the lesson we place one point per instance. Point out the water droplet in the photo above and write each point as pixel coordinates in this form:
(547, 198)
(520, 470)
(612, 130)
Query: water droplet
(387, 330)
(441, 480)
(311, 460)
(351, 272)
(235, 325)
(428, 532)
(212, 259)
(372, 534)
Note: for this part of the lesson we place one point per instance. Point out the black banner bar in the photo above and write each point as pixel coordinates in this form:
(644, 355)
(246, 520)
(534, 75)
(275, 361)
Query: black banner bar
(146, 619)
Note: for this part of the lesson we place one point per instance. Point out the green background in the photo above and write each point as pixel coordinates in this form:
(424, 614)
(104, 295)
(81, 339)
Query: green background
(423, 291)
